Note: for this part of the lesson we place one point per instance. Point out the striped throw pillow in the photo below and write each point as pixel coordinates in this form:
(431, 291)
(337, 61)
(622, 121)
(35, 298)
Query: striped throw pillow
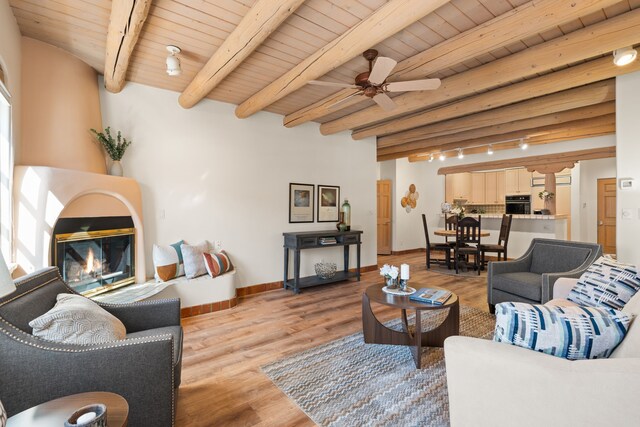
(606, 283)
(217, 264)
(569, 332)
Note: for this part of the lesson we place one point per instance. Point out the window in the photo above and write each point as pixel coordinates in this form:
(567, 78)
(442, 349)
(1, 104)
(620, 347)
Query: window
(6, 168)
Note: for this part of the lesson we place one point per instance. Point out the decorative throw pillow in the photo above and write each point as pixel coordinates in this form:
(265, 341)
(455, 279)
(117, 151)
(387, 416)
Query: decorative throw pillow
(3, 416)
(217, 264)
(168, 262)
(568, 332)
(193, 260)
(78, 320)
(606, 283)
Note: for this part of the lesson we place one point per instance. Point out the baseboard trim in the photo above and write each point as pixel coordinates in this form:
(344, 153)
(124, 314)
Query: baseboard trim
(208, 308)
(408, 251)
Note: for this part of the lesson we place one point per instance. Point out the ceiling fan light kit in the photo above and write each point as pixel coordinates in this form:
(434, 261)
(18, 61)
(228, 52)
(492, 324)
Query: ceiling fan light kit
(624, 56)
(173, 62)
(373, 83)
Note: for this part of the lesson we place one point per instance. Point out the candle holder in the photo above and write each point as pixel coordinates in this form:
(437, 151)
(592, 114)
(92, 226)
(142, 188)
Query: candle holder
(403, 284)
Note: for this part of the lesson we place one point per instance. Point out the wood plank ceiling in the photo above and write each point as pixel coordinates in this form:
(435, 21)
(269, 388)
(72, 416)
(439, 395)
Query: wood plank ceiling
(509, 68)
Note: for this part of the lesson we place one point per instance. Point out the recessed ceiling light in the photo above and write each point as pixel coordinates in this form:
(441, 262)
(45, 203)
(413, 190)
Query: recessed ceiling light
(490, 150)
(624, 56)
(173, 62)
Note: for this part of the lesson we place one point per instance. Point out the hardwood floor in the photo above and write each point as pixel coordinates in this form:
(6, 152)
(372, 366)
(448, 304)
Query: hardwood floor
(222, 384)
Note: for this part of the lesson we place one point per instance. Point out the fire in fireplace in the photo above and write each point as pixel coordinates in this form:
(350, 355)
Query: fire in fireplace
(93, 262)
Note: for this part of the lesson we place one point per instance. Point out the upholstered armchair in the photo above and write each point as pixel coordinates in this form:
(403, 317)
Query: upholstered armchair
(144, 368)
(530, 278)
(492, 384)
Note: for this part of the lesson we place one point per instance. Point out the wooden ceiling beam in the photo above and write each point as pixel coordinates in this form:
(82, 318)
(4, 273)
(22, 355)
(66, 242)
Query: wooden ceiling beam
(620, 31)
(576, 156)
(589, 95)
(578, 75)
(573, 127)
(389, 19)
(524, 21)
(125, 24)
(555, 119)
(259, 22)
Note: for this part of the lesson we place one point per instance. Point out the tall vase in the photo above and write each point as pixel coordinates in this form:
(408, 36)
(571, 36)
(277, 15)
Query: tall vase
(116, 168)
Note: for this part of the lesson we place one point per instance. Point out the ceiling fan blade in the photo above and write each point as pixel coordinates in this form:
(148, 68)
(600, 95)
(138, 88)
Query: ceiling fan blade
(384, 102)
(381, 70)
(332, 84)
(346, 98)
(411, 85)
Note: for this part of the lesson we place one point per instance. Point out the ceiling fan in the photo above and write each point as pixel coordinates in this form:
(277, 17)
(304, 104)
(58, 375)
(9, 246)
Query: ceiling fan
(373, 84)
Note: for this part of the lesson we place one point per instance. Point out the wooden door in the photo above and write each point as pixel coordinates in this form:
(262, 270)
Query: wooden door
(607, 214)
(491, 188)
(384, 217)
(478, 190)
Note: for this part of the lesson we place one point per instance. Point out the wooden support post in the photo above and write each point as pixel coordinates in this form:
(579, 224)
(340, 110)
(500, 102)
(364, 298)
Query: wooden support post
(550, 186)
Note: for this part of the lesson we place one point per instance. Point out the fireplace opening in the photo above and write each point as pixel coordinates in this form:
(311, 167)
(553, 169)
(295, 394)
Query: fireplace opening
(93, 261)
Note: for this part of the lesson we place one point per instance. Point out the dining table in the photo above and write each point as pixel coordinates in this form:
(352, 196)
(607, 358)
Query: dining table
(452, 233)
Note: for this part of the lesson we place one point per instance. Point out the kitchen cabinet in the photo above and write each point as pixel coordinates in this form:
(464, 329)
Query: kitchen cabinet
(500, 187)
(458, 186)
(517, 181)
(478, 188)
(494, 188)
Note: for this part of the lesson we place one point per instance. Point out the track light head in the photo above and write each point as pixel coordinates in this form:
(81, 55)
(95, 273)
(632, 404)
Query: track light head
(460, 154)
(490, 150)
(523, 145)
(431, 158)
(441, 157)
(173, 62)
(624, 56)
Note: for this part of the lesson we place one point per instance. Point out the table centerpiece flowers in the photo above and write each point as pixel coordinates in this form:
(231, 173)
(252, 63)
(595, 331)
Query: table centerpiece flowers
(390, 274)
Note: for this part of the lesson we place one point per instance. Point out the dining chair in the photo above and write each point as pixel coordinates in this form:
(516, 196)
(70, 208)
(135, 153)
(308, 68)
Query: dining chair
(450, 223)
(444, 247)
(468, 242)
(503, 240)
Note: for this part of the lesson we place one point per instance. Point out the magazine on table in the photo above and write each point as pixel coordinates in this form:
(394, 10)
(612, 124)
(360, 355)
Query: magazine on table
(431, 296)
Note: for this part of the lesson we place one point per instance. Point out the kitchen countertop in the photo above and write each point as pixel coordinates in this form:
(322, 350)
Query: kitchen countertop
(535, 217)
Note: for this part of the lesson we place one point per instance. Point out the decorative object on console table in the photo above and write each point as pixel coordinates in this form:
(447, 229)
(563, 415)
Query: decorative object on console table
(300, 202)
(297, 241)
(346, 210)
(341, 226)
(328, 199)
(115, 149)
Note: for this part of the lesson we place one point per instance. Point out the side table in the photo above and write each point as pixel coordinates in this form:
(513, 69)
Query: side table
(55, 412)
(376, 333)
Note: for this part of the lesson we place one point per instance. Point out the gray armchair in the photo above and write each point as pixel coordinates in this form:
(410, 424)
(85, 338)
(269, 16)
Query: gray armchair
(144, 368)
(530, 278)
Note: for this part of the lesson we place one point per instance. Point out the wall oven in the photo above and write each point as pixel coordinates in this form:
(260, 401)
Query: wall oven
(518, 205)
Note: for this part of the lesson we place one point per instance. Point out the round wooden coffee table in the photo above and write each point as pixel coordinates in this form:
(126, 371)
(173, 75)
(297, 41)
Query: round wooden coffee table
(55, 412)
(376, 333)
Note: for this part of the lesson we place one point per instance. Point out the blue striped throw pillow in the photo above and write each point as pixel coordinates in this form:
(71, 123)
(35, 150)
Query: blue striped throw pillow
(606, 283)
(569, 332)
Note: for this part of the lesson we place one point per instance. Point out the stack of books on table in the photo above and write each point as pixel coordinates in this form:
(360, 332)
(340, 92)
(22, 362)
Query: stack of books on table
(328, 241)
(431, 296)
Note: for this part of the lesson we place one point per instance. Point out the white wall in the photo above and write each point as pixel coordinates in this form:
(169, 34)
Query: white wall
(213, 176)
(628, 165)
(431, 186)
(587, 204)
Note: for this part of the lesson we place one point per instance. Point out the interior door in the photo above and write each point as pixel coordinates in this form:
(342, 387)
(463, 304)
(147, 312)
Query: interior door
(384, 217)
(607, 214)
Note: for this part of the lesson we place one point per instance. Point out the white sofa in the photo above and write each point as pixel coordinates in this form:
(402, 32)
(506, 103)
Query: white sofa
(496, 384)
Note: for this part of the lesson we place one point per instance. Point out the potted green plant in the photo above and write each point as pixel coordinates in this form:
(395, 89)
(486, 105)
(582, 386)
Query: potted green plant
(115, 148)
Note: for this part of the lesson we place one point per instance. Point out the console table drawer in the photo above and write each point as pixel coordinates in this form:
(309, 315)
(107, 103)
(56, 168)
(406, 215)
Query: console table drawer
(304, 242)
(349, 239)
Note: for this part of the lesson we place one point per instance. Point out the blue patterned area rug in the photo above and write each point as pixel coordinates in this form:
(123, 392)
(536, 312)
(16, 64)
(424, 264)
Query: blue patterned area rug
(349, 383)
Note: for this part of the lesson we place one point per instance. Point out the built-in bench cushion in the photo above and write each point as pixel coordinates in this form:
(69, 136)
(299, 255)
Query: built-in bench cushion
(606, 283)
(78, 320)
(523, 283)
(550, 258)
(569, 332)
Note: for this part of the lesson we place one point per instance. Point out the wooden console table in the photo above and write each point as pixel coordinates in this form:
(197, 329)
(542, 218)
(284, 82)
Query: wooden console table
(298, 241)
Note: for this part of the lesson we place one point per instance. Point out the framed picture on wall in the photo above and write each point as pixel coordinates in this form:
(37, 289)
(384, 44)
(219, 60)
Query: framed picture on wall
(328, 200)
(301, 202)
